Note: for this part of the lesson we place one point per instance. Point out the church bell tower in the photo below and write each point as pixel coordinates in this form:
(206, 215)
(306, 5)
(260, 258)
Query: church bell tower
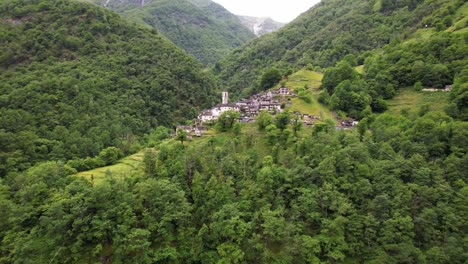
(225, 98)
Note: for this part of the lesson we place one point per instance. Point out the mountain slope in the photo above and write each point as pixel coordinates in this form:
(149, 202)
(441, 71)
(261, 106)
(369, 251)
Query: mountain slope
(260, 25)
(435, 56)
(201, 27)
(76, 78)
(327, 33)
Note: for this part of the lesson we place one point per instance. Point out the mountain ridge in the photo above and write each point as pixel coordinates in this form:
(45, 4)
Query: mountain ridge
(72, 68)
(261, 25)
(203, 28)
(324, 35)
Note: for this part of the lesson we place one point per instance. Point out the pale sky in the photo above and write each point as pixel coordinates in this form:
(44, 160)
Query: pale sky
(279, 10)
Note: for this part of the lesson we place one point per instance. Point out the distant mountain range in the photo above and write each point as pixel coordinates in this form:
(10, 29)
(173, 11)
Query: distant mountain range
(260, 25)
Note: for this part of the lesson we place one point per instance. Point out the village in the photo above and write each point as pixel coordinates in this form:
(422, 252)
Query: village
(274, 101)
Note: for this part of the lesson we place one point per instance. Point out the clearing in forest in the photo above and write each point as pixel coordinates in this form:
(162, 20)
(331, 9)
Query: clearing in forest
(122, 168)
(312, 81)
(412, 100)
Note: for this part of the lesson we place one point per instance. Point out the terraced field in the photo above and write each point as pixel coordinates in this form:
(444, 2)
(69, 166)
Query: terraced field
(123, 167)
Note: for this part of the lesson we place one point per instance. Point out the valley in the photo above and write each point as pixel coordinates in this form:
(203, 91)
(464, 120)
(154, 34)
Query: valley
(165, 131)
(202, 28)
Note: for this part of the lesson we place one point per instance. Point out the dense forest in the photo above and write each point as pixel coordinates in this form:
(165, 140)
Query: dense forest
(396, 193)
(76, 78)
(331, 30)
(440, 60)
(203, 28)
(81, 87)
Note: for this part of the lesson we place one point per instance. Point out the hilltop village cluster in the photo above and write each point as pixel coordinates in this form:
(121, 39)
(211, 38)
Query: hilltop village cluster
(272, 101)
(248, 108)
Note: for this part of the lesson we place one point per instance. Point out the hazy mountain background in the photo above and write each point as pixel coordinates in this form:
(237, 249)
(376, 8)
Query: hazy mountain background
(261, 25)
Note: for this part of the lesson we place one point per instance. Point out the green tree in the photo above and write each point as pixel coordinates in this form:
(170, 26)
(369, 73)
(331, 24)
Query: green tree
(282, 120)
(227, 120)
(334, 76)
(270, 78)
(149, 161)
(110, 155)
(263, 120)
(297, 125)
(181, 135)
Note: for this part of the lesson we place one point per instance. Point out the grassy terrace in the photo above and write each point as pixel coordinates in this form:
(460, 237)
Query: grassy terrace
(123, 167)
(304, 77)
(312, 80)
(412, 101)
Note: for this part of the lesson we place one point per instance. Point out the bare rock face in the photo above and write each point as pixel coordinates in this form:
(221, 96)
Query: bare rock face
(260, 25)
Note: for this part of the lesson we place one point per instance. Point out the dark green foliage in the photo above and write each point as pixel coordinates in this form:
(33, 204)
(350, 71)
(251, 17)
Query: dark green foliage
(425, 61)
(421, 63)
(269, 78)
(391, 191)
(110, 155)
(203, 28)
(331, 31)
(304, 95)
(106, 157)
(459, 96)
(76, 79)
(282, 120)
(397, 194)
(334, 76)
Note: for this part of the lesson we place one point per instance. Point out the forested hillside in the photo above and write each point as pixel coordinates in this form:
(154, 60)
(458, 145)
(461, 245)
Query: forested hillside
(80, 87)
(331, 30)
(396, 193)
(203, 28)
(434, 57)
(76, 78)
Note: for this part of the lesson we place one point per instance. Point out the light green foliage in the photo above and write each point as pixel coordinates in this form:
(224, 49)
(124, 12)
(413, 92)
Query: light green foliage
(272, 133)
(296, 124)
(263, 120)
(237, 128)
(227, 120)
(320, 196)
(155, 137)
(128, 165)
(305, 95)
(412, 101)
(181, 135)
(149, 161)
